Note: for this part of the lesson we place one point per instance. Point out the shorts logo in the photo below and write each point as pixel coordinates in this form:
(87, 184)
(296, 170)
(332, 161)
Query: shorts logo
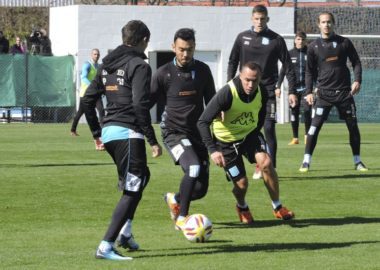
(244, 119)
(177, 151)
(319, 111)
(186, 142)
(233, 171)
(132, 182)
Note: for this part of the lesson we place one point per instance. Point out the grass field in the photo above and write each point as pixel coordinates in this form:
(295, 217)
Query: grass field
(57, 195)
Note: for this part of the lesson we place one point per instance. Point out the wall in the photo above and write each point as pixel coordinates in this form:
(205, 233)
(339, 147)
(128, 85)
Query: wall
(77, 29)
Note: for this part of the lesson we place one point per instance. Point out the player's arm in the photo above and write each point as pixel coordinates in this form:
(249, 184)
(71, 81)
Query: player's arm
(141, 80)
(220, 102)
(209, 91)
(84, 73)
(233, 62)
(289, 71)
(93, 93)
(311, 73)
(157, 88)
(357, 68)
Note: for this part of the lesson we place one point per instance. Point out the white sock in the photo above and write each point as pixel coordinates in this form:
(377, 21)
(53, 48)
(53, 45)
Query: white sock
(127, 228)
(242, 206)
(105, 246)
(307, 158)
(276, 204)
(357, 159)
(180, 218)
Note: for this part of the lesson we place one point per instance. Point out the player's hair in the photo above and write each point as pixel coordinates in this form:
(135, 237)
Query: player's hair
(260, 9)
(301, 34)
(327, 13)
(134, 32)
(252, 66)
(186, 34)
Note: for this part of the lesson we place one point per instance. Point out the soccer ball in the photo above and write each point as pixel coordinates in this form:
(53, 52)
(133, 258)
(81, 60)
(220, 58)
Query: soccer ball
(198, 228)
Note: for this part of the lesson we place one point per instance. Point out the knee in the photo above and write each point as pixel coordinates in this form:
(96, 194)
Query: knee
(265, 164)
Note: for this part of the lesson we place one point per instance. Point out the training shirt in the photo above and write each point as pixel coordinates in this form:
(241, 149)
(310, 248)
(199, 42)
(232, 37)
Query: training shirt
(298, 58)
(222, 101)
(185, 91)
(264, 48)
(124, 78)
(327, 64)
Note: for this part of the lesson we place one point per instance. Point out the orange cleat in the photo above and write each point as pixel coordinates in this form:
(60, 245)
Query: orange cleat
(245, 215)
(283, 213)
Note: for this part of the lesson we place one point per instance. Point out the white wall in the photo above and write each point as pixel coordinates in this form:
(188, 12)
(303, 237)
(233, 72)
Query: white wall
(77, 29)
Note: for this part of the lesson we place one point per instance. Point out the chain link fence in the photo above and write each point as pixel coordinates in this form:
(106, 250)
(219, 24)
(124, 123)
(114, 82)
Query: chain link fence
(36, 88)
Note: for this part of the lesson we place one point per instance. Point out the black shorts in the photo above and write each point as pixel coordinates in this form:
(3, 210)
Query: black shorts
(130, 158)
(271, 109)
(233, 154)
(341, 99)
(179, 143)
(302, 103)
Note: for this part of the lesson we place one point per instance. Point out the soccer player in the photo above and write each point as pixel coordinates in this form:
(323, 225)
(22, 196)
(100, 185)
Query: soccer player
(124, 77)
(186, 85)
(327, 62)
(265, 47)
(88, 73)
(298, 57)
(243, 103)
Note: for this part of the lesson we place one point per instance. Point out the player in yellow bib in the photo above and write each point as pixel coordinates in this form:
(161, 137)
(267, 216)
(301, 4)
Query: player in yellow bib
(236, 115)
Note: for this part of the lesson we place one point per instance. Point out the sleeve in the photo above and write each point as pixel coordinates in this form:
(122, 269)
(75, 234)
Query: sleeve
(220, 102)
(311, 71)
(233, 62)
(156, 88)
(141, 79)
(287, 65)
(84, 73)
(210, 87)
(262, 113)
(355, 61)
(92, 95)
(281, 77)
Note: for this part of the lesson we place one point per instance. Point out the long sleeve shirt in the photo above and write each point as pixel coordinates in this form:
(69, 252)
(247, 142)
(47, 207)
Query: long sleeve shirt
(266, 49)
(124, 78)
(327, 64)
(222, 102)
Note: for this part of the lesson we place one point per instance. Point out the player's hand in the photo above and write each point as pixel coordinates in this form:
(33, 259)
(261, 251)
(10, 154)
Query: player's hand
(218, 159)
(310, 99)
(156, 150)
(293, 100)
(355, 88)
(277, 92)
(99, 146)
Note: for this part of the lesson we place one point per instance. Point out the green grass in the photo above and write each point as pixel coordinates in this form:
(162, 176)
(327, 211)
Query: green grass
(57, 195)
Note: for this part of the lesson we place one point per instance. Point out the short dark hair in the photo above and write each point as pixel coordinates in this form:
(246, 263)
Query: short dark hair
(185, 34)
(260, 9)
(327, 13)
(252, 66)
(301, 34)
(134, 32)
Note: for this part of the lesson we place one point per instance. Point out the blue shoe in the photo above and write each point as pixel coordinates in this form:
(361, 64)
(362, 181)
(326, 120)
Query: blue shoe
(111, 254)
(127, 242)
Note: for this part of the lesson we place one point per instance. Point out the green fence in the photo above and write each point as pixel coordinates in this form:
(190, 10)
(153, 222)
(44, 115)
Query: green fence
(41, 88)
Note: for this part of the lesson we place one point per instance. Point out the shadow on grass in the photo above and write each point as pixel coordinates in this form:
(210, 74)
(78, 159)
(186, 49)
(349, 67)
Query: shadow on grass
(210, 249)
(306, 177)
(297, 223)
(53, 165)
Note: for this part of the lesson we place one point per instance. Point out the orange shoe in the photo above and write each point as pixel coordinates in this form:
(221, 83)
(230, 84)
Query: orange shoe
(294, 141)
(245, 215)
(173, 205)
(283, 213)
